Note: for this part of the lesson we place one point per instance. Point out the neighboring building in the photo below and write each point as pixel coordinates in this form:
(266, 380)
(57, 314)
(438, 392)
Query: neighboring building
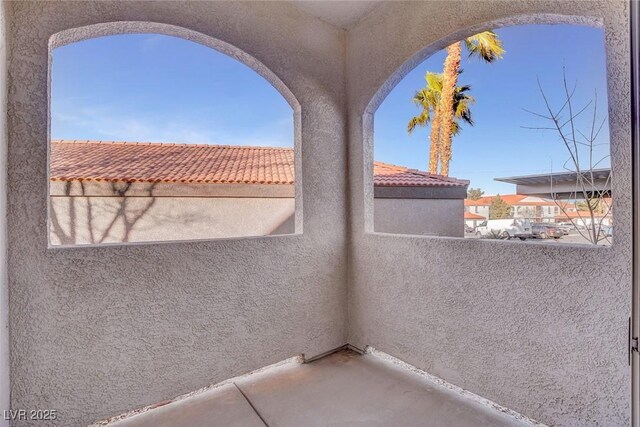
(562, 185)
(602, 215)
(104, 192)
(473, 220)
(528, 207)
(583, 218)
(117, 192)
(536, 209)
(409, 201)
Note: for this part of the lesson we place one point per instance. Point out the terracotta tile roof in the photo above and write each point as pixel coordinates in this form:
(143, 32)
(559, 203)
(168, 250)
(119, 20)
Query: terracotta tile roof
(471, 215)
(190, 163)
(186, 163)
(386, 175)
(512, 199)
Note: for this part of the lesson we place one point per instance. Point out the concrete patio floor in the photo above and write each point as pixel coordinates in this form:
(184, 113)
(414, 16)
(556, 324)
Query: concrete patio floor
(341, 389)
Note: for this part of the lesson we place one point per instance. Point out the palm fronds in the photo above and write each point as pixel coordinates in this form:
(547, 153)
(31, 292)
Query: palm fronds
(485, 45)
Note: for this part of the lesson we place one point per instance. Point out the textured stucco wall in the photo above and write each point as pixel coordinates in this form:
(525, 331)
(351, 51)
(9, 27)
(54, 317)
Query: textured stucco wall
(538, 329)
(4, 283)
(434, 217)
(97, 331)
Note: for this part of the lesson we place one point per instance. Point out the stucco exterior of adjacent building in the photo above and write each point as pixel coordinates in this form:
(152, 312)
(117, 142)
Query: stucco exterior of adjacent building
(108, 192)
(100, 215)
(419, 216)
(115, 192)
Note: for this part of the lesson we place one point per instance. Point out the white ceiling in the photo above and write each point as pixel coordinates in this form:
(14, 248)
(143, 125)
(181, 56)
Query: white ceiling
(343, 14)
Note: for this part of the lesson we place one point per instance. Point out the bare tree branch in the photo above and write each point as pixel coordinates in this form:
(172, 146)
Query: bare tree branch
(597, 208)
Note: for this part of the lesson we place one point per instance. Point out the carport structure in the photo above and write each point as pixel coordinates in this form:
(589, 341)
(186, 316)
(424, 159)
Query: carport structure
(562, 185)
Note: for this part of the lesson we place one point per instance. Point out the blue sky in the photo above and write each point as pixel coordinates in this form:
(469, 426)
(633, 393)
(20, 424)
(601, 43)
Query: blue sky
(149, 87)
(498, 146)
(156, 88)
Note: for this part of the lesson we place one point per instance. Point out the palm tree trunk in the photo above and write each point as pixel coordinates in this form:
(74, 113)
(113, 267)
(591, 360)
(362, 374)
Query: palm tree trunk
(434, 146)
(449, 82)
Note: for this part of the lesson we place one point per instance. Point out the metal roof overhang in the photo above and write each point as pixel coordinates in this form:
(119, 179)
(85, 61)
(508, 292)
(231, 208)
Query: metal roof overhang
(560, 184)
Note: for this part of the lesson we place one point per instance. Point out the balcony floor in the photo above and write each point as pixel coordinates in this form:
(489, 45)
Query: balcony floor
(342, 389)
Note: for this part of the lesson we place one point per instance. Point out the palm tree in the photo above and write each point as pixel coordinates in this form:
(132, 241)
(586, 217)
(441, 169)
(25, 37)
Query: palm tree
(486, 46)
(428, 98)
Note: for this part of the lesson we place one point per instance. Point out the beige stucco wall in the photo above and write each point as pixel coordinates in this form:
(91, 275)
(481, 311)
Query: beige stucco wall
(90, 213)
(97, 212)
(434, 217)
(85, 220)
(98, 218)
(536, 328)
(98, 331)
(92, 220)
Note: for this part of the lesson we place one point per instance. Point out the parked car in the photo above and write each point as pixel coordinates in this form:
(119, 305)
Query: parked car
(607, 230)
(541, 230)
(505, 228)
(468, 229)
(565, 228)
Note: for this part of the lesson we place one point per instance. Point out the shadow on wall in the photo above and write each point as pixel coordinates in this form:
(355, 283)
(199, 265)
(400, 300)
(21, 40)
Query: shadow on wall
(86, 220)
(121, 213)
(285, 227)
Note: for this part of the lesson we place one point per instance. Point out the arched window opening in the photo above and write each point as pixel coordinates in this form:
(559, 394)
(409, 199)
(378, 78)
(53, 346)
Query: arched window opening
(501, 135)
(157, 138)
